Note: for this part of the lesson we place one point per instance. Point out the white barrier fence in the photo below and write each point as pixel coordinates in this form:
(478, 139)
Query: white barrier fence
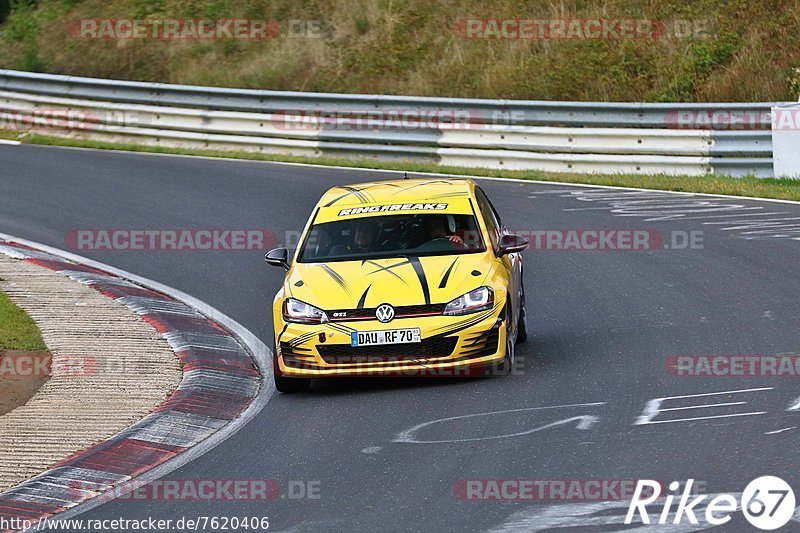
(685, 139)
(786, 140)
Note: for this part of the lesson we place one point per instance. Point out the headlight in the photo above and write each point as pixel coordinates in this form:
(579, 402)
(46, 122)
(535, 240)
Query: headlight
(478, 300)
(297, 311)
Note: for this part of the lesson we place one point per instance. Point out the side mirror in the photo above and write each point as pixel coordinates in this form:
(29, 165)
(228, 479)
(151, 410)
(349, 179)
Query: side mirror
(510, 243)
(278, 257)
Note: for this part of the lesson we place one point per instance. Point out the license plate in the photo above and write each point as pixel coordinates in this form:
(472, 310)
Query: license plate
(386, 336)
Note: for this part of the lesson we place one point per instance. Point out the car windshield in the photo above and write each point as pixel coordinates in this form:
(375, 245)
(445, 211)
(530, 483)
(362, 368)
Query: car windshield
(392, 236)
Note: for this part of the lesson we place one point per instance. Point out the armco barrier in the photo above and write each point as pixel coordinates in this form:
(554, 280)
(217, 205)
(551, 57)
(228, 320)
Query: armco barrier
(645, 138)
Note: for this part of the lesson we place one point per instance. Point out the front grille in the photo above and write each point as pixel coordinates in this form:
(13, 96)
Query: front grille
(432, 348)
(399, 312)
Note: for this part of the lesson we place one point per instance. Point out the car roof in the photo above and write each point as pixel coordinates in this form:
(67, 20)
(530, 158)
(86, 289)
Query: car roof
(398, 191)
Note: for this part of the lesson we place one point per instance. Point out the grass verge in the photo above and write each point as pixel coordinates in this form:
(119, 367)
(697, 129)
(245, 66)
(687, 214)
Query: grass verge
(19, 333)
(17, 330)
(782, 189)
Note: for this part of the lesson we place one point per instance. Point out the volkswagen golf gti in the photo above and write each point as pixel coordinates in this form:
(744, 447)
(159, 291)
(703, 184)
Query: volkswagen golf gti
(410, 277)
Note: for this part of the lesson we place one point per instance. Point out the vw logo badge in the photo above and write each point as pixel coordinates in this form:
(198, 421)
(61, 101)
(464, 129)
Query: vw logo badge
(384, 313)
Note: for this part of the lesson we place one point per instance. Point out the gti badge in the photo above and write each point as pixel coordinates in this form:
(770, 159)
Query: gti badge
(384, 313)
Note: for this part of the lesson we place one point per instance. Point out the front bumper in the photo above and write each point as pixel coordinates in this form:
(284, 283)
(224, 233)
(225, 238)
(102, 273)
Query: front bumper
(451, 346)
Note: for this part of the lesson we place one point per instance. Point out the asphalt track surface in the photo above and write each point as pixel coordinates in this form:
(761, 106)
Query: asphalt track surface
(602, 326)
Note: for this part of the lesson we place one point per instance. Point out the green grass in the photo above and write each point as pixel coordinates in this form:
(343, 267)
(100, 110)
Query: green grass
(740, 50)
(17, 330)
(784, 189)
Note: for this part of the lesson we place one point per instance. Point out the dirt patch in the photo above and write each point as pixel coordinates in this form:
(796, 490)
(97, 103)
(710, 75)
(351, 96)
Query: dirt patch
(19, 377)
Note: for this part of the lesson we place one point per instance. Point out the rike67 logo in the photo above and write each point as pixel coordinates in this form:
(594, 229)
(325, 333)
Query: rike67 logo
(767, 503)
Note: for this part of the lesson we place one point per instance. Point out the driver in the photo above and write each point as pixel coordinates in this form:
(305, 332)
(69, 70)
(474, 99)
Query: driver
(364, 237)
(363, 240)
(436, 227)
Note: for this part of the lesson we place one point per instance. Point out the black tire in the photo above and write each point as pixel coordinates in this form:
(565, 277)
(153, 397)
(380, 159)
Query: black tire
(284, 384)
(507, 364)
(503, 367)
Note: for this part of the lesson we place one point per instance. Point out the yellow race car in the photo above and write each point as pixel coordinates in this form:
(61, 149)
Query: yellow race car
(411, 277)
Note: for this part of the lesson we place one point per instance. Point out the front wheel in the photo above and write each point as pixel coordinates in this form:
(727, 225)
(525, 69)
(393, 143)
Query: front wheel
(284, 384)
(504, 367)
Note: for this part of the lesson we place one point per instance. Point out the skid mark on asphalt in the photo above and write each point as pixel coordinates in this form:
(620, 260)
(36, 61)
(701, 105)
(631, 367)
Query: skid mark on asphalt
(582, 422)
(654, 407)
(779, 431)
(689, 408)
(740, 219)
(371, 449)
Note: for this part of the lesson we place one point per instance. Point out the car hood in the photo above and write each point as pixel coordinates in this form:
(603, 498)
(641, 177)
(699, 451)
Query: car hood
(396, 281)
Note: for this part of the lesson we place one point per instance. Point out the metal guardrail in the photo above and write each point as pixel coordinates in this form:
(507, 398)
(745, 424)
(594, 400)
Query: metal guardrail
(698, 139)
